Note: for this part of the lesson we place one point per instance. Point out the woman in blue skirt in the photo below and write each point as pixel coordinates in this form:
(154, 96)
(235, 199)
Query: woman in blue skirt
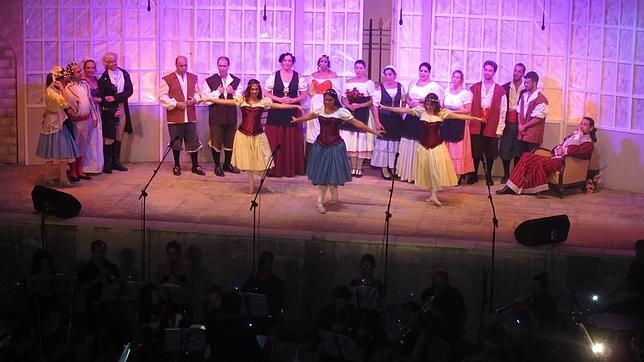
(328, 165)
(55, 143)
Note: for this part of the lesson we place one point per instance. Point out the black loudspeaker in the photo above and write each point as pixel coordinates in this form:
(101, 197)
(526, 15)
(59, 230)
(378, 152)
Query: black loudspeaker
(544, 231)
(54, 202)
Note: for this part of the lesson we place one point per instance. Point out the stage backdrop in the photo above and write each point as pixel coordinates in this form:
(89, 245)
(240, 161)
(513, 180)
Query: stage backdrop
(58, 32)
(590, 57)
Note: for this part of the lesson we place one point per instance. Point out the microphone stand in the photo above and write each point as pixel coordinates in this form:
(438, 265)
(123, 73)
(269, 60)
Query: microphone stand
(495, 225)
(254, 204)
(388, 221)
(143, 197)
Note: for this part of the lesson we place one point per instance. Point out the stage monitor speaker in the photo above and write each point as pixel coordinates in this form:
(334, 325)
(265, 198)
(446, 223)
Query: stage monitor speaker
(544, 231)
(54, 202)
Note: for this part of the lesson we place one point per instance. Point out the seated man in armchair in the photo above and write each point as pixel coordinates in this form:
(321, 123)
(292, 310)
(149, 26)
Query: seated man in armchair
(531, 174)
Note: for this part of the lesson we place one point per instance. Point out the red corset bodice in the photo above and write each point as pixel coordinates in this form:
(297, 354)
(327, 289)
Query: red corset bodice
(429, 134)
(329, 131)
(321, 87)
(251, 124)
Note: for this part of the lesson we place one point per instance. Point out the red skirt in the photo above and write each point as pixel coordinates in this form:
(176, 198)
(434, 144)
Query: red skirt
(289, 160)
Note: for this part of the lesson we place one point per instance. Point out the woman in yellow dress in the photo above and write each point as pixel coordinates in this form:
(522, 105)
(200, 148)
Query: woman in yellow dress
(434, 169)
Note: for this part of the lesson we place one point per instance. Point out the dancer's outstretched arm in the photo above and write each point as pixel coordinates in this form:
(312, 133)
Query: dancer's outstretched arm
(227, 102)
(287, 106)
(465, 117)
(400, 110)
(304, 118)
(361, 126)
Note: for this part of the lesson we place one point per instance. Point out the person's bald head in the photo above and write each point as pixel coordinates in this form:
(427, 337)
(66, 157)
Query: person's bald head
(181, 63)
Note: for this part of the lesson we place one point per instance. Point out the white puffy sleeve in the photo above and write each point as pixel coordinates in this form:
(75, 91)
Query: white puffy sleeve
(266, 102)
(344, 114)
(270, 83)
(418, 111)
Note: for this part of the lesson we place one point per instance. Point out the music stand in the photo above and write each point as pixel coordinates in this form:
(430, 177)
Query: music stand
(254, 305)
(338, 346)
(185, 340)
(366, 297)
(130, 292)
(175, 294)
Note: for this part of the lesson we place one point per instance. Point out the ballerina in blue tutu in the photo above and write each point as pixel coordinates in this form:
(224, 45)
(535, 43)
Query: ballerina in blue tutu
(328, 164)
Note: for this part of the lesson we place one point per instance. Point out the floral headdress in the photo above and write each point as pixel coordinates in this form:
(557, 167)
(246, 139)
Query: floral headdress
(57, 72)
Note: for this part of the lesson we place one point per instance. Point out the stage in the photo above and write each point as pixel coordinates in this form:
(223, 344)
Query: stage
(210, 217)
(606, 222)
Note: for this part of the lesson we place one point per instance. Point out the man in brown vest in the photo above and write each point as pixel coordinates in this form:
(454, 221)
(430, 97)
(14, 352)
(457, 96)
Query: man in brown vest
(222, 118)
(532, 110)
(509, 143)
(178, 95)
(488, 102)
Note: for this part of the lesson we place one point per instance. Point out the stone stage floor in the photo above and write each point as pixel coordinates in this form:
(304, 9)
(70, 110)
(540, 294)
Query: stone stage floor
(607, 222)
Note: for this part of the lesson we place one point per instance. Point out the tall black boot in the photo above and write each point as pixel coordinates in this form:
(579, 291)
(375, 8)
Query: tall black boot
(116, 155)
(195, 164)
(176, 170)
(216, 157)
(506, 170)
(474, 176)
(107, 158)
(489, 162)
(228, 167)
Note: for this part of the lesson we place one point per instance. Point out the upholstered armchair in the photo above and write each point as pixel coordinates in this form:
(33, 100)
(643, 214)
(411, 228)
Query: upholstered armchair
(573, 173)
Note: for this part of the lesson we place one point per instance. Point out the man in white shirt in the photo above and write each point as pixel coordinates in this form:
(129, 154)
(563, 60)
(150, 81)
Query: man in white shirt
(222, 119)
(178, 94)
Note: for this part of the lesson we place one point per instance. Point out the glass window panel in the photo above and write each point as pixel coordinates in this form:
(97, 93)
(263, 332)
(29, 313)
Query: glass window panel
(622, 112)
(508, 34)
(66, 52)
(82, 51)
(558, 37)
(81, 21)
(99, 21)
(638, 114)
(440, 64)
(234, 25)
(217, 50)
(474, 66)
(638, 87)
(540, 39)
(35, 88)
(114, 24)
(506, 66)
(443, 6)
(628, 13)
(266, 28)
(491, 7)
(203, 25)
(575, 104)
(33, 23)
(593, 75)
(250, 54)
(50, 25)
(33, 3)
(624, 74)
(596, 11)
(508, 8)
(353, 26)
(579, 42)
(555, 103)
(609, 77)
(33, 50)
(267, 59)
(337, 4)
(217, 19)
(607, 108)
(554, 75)
(580, 11)
(283, 25)
(476, 7)
(612, 12)
(235, 54)
(50, 52)
(171, 23)
(458, 32)
(441, 31)
(459, 7)
(318, 27)
(595, 34)
(250, 25)
(131, 23)
(626, 45)
(134, 76)
(457, 60)
(148, 82)
(577, 73)
(148, 50)
(474, 33)
(337, 26)
(201, 60)
(640, 11)
(353, 5)
(610, 43)
(639, 47)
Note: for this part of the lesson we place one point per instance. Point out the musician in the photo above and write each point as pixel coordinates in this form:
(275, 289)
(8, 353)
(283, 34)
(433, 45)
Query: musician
(367, 279)
(445, 308)
(176, 269)
(538, 321)
(339, 316)
(96, 274)
(267, 283)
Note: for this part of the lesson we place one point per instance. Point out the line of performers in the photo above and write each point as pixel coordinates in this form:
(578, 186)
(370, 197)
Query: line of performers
(441, 135)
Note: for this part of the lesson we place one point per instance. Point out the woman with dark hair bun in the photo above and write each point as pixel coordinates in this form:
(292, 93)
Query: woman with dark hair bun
(416, 93)
(251, 149)
(433, 169)
(285, 86)
(328, 166)
(356, 97)
(530, 174)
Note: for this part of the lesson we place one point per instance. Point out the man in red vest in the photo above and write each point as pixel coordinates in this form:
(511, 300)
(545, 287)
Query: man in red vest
(178, 95)
(532, 110)
(489, 102)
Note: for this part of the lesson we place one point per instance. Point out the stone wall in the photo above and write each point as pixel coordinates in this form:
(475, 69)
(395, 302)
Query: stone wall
(8, 106)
